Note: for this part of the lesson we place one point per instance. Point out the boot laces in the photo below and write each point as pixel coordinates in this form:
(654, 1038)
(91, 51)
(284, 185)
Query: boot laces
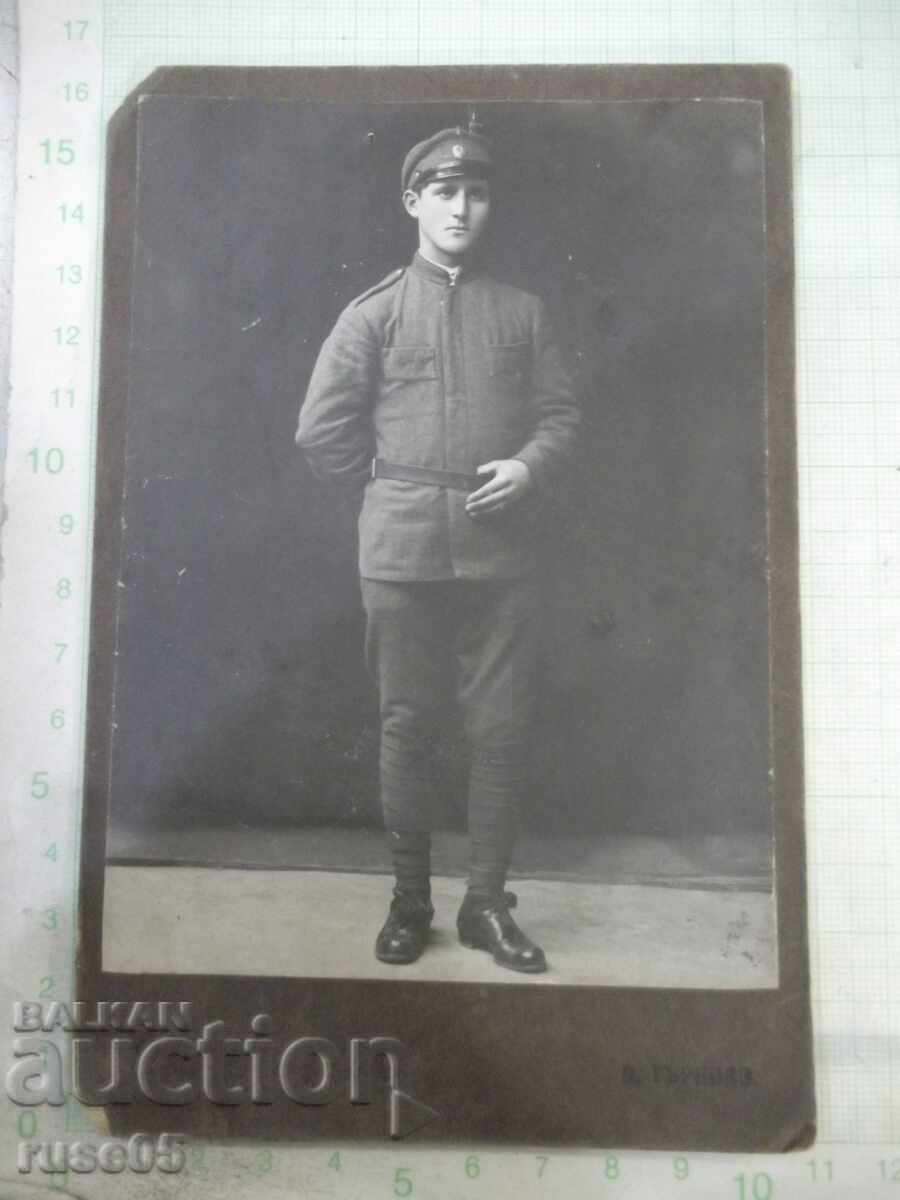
(409, 905)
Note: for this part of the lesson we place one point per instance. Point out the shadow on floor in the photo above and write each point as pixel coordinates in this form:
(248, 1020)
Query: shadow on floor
(742, 862)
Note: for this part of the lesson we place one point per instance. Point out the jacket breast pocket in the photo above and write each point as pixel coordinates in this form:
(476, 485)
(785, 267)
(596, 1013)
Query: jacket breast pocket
(409, 363)
(510, 360)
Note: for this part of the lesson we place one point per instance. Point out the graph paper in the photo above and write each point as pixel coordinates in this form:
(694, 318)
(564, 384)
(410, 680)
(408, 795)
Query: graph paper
(845, 61)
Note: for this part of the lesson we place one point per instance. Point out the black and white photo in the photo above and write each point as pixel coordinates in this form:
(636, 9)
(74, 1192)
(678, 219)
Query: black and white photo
(443, 624)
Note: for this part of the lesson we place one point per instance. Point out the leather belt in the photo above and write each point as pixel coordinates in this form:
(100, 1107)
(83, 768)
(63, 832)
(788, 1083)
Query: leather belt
(457, 480)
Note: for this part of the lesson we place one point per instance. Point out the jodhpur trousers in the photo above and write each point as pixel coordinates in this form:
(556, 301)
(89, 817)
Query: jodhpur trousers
(474, 641)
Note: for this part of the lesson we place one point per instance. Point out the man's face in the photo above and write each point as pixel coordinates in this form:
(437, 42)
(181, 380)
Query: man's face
(452, 214)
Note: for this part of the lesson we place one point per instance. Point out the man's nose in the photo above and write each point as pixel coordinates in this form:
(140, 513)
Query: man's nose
(460, 202)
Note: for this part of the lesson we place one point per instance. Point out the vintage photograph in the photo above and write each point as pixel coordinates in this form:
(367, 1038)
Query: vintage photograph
(442, 635)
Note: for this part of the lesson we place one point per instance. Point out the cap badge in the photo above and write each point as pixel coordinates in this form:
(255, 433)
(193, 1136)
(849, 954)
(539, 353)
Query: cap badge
(458, 150)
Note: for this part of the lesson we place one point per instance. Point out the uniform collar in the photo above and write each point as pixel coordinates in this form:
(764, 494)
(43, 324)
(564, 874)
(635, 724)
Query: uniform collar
(431, 270)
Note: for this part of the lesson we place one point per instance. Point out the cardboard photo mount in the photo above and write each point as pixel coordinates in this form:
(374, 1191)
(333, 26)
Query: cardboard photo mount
(530, 1065)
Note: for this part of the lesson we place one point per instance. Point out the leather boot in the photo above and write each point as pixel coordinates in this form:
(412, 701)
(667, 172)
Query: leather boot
(484, 923)
(405, 932)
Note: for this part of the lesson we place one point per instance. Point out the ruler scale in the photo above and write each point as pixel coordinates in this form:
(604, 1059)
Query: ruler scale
(48, 484)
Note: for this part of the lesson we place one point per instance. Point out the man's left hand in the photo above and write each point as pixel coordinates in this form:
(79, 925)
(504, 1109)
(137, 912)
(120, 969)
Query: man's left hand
(510, 481)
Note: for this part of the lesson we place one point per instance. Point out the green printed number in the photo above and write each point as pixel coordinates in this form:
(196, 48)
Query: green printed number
(67, 335)
(76, 91)
(63, 394)
(63, 589)
(263, 1163)
(335, 1161)
(26, 1124)
(826, 1173)
(680, 1167)
(66, 523)
(473, 1170)
(58, 718)
(40, 785)
(611, 1169)
(76, 31)
(61, 648)
(758, 1187)
(59, 151)
(198, 1162)
(542, 1160)
(403, 1184)
(69, 273)
(52, 461)
(74, 212)
(46, 991)
(890, 1170)
(51, 852)
(50, 919)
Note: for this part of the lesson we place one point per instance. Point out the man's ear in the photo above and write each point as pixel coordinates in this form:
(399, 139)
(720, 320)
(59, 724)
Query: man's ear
(411, 202)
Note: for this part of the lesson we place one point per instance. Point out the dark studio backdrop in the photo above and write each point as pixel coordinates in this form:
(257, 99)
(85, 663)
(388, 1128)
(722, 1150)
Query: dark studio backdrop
(240, 696)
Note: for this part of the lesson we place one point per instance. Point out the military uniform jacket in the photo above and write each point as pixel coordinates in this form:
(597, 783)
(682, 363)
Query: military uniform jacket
(426, 372)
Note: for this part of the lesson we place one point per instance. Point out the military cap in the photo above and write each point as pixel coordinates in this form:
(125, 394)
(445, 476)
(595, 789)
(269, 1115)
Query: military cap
(445, 155)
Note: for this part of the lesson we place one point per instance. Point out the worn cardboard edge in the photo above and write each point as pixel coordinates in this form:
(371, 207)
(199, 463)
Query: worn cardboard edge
(552, 1074)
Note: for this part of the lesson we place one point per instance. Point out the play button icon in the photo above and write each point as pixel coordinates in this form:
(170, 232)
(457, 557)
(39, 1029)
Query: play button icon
(408, 1115)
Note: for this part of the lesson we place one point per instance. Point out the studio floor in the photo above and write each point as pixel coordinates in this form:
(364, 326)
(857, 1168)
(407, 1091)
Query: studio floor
(169, 919)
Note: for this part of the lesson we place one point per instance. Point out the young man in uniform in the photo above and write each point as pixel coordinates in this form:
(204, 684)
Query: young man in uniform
(441, 397)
